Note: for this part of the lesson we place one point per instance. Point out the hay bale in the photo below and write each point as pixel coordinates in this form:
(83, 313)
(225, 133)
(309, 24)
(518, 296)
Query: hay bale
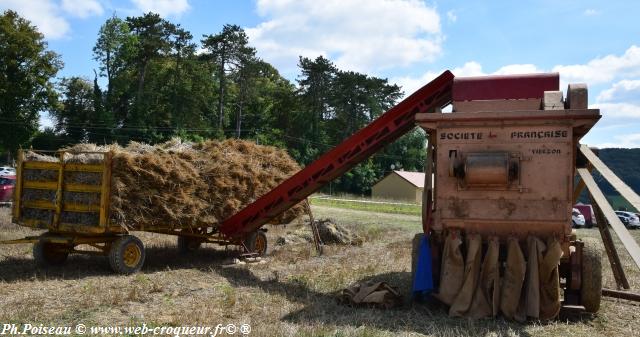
(174, 184)
(332, 233)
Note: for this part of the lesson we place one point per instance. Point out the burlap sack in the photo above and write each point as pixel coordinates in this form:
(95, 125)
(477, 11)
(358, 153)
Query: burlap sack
(486, 300)
(462, 302)
(513, 279)
(452, 271)
(536, 250)
(550, 280)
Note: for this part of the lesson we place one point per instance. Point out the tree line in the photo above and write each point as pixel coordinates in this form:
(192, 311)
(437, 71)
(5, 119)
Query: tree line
(156, 81)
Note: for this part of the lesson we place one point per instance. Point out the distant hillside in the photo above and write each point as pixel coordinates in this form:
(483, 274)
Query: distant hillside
(625, 163)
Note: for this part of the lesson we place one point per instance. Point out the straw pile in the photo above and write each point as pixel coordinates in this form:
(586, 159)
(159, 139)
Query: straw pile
(174, 184)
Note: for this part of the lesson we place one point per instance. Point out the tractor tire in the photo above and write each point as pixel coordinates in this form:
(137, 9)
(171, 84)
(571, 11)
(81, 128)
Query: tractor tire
(591, 289)
(126, 255)
(187, 245)
(415, 250)
(48, 254)
(256, 242)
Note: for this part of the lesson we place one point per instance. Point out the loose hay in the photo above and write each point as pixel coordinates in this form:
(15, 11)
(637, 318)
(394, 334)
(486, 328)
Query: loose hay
(174, 184)
(332, 233)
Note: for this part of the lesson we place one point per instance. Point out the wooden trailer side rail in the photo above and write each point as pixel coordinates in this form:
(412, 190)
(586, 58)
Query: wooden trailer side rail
(60, 186)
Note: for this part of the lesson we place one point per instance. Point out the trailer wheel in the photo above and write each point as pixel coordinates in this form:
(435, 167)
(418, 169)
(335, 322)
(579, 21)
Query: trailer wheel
(188, 245)
(126, 254)
(46, 253)
(591, 290)
(256, 242)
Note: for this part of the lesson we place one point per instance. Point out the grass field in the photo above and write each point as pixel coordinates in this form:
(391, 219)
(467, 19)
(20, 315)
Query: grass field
(292, 294)
(368, 205)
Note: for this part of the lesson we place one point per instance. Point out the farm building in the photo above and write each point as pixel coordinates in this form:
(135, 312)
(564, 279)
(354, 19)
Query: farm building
(400, 185)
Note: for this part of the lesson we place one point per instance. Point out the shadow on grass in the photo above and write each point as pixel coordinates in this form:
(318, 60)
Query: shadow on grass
(17, 269)
(430, 317)
(320, 308)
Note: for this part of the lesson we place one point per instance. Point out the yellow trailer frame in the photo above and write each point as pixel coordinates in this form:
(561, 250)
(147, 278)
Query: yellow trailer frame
(126, 252)
(60, 186)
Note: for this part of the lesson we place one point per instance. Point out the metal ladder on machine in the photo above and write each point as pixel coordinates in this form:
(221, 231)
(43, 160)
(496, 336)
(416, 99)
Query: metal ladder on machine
(604, 212)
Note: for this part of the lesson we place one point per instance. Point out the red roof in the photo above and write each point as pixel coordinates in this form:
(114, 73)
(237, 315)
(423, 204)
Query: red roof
(415, 178)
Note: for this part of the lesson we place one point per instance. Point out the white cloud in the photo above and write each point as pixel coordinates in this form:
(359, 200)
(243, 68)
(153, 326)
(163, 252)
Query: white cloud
(44, 14)
(410, 84)
(361, 35)
(625, 90)
(604, 69)
(618, 110)
(517, 69)
(631, 140)
(451, 16)
(163, 7)
(597, 71)
(590, 12)
(82, 8)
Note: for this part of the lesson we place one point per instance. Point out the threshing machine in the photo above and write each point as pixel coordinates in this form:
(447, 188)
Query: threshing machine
(497, 206)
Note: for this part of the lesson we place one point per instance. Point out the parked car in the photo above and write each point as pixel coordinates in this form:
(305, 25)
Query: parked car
(7, 171)
(588, 213)
(7, 184)
(577, 219)
(629, 219)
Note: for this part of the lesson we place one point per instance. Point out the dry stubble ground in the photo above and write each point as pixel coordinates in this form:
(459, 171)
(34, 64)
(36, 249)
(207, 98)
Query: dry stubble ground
(290, 295)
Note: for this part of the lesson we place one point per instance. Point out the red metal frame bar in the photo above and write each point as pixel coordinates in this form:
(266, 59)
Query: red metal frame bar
(504, 87)
(382, 131)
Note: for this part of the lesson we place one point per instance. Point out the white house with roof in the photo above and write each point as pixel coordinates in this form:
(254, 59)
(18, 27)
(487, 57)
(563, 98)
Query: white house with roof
(401, 186)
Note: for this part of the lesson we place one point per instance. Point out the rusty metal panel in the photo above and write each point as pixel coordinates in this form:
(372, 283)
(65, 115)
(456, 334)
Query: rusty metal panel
(506, 173)
(627, 240)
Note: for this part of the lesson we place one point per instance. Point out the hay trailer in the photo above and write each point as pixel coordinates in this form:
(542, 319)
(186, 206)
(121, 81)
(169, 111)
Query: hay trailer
(71, 201)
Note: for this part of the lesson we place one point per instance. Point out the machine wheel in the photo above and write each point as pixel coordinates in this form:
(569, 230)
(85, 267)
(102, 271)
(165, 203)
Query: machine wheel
(415, 249)
(46, 253)
(188, 245)
(256, 242)
(591, 290)
(126, 254)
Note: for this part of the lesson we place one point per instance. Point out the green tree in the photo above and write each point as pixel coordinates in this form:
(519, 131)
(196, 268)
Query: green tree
(113, 49)
(228, 50)
(50, 140)
(26, 72)
(76, 115)
(316, 85)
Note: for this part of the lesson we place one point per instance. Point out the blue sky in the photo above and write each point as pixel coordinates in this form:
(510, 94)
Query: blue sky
(409, 42)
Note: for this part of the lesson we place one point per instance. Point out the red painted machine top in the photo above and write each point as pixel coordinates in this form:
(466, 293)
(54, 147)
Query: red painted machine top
(504, 87)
